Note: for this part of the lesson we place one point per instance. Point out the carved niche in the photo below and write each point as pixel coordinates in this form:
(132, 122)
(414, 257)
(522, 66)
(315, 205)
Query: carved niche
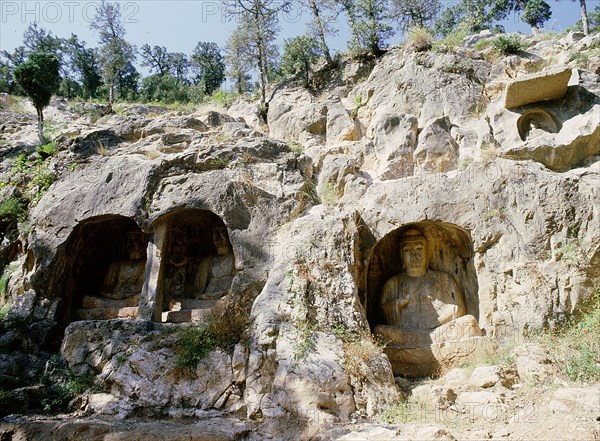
(537, 122)
(198, 265)
(422, 296)
(106, 259)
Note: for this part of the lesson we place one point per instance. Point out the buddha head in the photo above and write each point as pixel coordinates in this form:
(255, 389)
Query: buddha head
(413, 252)
(220, 241)
(135, 245)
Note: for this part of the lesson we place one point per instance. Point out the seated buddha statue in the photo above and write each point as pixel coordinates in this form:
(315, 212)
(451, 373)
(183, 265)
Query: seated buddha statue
(125, 277)
(421, 309)
(215, 273)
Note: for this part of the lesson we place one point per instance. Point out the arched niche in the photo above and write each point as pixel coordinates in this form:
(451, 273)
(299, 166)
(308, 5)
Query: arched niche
(537, 120)
(197, 265)
(105, 263)
(450, 250)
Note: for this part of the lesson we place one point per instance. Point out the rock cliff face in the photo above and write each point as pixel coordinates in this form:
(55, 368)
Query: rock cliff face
(313, 205)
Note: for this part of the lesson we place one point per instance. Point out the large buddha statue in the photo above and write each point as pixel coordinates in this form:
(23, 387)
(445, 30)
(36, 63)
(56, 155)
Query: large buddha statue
(421, 308)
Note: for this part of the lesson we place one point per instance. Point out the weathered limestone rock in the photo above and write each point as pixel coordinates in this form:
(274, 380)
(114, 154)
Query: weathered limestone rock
(316, 387)
(395, 139)
(92, 344)
(489, 376)
(518, 239)
(437, 151)
(288, 122)
(543, 86)
(23, 307)
(532, 363)
(577, 141)
(207, 428)
(340, 124)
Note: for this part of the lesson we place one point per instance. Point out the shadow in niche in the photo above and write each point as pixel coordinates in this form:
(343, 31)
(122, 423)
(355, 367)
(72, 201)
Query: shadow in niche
(105, 261)
(197, 265)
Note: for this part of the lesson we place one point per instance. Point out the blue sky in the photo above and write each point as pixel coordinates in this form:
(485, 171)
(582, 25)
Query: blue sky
(180, 24)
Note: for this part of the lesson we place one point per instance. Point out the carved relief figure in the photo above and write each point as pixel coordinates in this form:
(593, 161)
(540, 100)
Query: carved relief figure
(178, 259)
(121, 287)
(421, 306)
(125, 277)
(215, 273)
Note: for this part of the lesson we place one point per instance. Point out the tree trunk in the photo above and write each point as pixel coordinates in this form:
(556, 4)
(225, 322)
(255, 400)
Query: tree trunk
(584, 18)
(111, 96)
(40, 117)
(320, 31)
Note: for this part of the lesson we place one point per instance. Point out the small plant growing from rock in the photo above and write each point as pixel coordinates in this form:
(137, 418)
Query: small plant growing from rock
(60, 385)
(193, 344)
(420, 39)
(575, 347)
(400, 412)
(508, 44)
(223, 329)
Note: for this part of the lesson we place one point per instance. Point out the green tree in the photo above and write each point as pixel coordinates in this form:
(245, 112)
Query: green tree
(372, 24)
(584, 17)
(127, 81)
(349, 8)
(299, 53)
(84, 62)
(368, 21)
(39, 77)
(156, 58)
(259, 19)
(535, 13)
(473, 15)
(37, 39)
(208, 65)
(323, 14)
(115, 53)
(179, 65)
(164, 88)
(7, 70)
(239, 58)
(415, 13)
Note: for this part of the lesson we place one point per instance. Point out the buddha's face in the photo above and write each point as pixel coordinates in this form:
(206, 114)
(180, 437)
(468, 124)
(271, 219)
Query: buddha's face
(135, 246)
(414, 257)
(219, 237)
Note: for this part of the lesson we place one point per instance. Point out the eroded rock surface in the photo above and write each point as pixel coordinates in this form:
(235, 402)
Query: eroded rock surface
(298, 222)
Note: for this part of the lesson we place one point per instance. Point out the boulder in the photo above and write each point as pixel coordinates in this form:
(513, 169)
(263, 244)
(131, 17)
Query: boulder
(23, 307)
(395, 138)
(340, 124)
(541, 86)
(532, 363)
(437, 151)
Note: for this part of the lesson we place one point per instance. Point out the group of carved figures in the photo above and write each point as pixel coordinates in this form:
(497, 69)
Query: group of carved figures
(422, 310)
(192, 270)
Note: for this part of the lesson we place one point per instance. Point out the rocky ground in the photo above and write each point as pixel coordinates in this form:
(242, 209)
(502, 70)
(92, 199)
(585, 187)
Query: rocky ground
(311, 198)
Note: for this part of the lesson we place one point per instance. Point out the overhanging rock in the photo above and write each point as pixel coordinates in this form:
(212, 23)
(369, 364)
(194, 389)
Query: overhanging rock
(541, 86)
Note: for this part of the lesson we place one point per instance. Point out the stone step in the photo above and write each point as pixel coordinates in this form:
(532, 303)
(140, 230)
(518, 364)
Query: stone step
(186, 315)
(90, 302)
(107, 313)
(178, 304)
